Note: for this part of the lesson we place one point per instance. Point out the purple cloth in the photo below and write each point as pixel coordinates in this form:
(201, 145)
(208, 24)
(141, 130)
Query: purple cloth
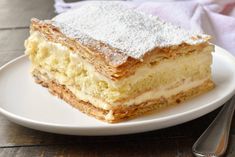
(213, 17)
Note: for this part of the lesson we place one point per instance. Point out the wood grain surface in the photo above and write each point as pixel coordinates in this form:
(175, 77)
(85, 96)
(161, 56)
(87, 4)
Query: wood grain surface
(19, 141)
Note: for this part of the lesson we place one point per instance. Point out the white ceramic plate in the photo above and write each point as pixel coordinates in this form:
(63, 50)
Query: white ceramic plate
(27, 103)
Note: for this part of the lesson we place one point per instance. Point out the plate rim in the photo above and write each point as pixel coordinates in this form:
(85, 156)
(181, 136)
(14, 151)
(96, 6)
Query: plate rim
(14, 117)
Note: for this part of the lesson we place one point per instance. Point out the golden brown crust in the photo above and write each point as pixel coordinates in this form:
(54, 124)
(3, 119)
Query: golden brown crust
(106, 63)
(122, 113)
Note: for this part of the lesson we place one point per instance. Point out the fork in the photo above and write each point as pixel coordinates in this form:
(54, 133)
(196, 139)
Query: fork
(214, 140)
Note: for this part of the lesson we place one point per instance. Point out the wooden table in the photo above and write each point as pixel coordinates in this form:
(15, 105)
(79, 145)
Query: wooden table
(16, 140)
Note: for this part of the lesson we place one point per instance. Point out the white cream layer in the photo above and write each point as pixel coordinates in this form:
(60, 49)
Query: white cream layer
(166, 92)
(149, 95)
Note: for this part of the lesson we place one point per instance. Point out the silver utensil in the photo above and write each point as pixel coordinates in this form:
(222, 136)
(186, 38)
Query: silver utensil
(214, 140)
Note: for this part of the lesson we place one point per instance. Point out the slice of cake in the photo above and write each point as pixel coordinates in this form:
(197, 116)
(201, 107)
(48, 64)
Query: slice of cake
(115, 63)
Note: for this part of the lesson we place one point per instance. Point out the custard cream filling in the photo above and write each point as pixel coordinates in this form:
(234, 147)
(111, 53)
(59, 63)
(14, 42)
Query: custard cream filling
(149, 95)
(153, 94)
(67, 68)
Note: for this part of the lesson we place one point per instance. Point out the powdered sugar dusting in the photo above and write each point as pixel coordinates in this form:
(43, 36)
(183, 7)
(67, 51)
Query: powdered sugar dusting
(130, 31)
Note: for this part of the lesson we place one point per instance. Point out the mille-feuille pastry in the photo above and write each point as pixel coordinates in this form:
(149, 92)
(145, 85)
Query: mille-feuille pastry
(115, 63)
